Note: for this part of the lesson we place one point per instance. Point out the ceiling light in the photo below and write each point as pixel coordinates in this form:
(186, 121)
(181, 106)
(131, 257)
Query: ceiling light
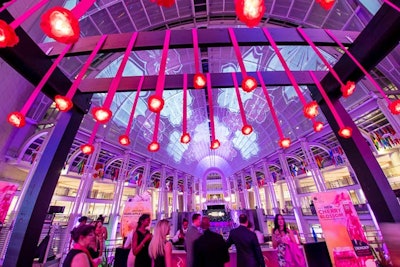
(87, 149)
(16, 119)
(318, 126)
(153, 147)
(124, 140)
(249, 84)
(284, 142)
(247, 129)
(310, 110)
(199, 80)
(63, 103)
(345, 132)
(215, 144)
(250, 12)
(348, 88)
(101, 114)
(185, 138)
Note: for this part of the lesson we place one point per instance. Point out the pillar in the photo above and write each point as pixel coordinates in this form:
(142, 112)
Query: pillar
(255, 187)
(185, 193)
(26, 232)
(301, 222)
(270, 189)
(312, 166)
(119, 189)
(145, 178)
(244, 191)
(161, 190)
(175, 191)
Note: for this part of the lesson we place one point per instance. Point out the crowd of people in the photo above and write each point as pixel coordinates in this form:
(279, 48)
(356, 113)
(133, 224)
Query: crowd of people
(204, 248)
(86, 243)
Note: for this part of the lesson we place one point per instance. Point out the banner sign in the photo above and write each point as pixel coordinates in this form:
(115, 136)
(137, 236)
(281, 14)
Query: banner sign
(7, 191)
(134, 208)
(342, 229)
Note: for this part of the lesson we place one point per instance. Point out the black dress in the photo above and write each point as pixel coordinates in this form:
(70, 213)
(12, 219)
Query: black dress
(142, 258)
(159, 261)
(70, 256)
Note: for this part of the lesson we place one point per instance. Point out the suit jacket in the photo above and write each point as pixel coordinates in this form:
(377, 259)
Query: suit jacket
(210, 250)
(192, 235)
(248, 251)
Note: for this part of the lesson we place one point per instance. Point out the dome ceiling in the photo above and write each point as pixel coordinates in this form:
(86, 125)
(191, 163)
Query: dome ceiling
(237, 151)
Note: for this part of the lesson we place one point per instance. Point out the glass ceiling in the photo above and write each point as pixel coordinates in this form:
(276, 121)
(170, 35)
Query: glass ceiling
(237, 151)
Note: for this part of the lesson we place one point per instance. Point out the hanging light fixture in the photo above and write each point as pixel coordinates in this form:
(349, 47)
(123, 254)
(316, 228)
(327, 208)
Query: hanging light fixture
(8, 37)
(64, 103)
(185, 138)
(103, 114)
(394, 106)
(250, 12)
(88, 148)
(17, 118)
(318, 126)
(164, 3)
(344, 131)
(248, 83)
(284, 142)
(154, 146)
(348, 88)
(156, 102)
(214, 142)
(326, 4)
(6, 5)
(124, 138)
(62, 24)
(246, 129)
(199, 80)
(310, 110)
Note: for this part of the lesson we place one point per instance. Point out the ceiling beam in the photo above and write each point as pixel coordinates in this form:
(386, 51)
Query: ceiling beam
(173, 82)
(30, 61)
(374, 43)
(207, 38)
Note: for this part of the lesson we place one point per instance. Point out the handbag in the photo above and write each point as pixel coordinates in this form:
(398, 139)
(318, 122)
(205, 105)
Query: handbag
(294, 256)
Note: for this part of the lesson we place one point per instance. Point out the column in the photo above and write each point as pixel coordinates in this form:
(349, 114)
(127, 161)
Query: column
(229, 192)
(312, 166)
(26, 232)
(161, 190)
(119, 189)
(255, 187)
(200, 193)
(270, 189)
(244, 191)
(175, 191)
(145, 178)
(185, 192)
(301, 222)
(237, 194)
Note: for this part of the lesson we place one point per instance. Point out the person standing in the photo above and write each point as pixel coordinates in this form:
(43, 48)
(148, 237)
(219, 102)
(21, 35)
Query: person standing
(140, 242)
(289, 255)
(191, 236)
(179, 237)
(210, 249)
(248, 250)
(160, 250)
(82, 221)
(79, 255)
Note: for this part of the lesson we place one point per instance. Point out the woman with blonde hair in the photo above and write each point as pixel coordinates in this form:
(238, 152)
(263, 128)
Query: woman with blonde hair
(160, 250)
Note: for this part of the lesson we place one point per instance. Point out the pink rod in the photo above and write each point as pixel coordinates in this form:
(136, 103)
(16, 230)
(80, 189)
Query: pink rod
(128, 127)
(6, 5)
(44, 80)
(94, 132)
(271, 107)
(210, 105)
(239, 98)
(156, 125)
(327, 100)
(117, 78)
(27, 14)
(82, 7)
(75, 84)
(392, 5)
(184, 108)
(163, 64)
(308, 40)
(285, 66)
(369, 77)
(196, 50)
(237, 52)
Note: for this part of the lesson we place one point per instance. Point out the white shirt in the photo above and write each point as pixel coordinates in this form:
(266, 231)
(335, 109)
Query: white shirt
(176, 236)
(128, 242)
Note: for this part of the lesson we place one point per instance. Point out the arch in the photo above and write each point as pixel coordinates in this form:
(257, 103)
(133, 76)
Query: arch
(30, 142)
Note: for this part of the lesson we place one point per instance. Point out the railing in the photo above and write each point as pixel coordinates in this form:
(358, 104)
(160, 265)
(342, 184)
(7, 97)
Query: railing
(345, 181)
(306, 189)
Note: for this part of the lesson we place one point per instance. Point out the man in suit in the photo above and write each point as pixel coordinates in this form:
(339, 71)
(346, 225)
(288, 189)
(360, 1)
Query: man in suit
(210, 249)
(248, 251)
(191, 236)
